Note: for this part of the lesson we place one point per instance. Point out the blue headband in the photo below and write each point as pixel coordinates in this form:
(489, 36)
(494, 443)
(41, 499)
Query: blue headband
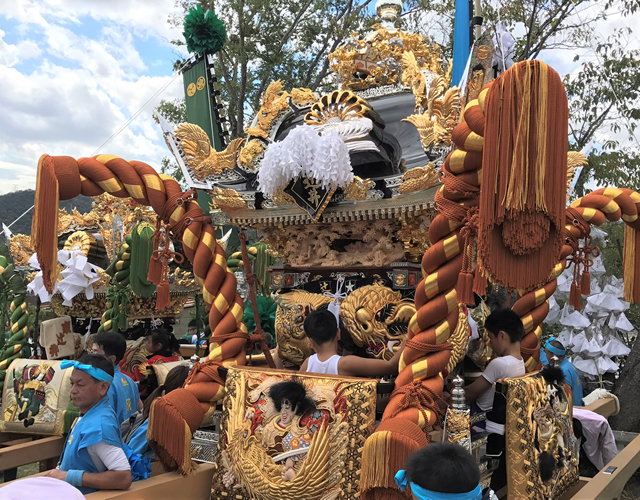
(97, 373)
(422, 494)
(555, 350)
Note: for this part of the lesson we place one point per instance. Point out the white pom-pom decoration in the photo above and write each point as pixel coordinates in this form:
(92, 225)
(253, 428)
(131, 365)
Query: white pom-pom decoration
(305, 153)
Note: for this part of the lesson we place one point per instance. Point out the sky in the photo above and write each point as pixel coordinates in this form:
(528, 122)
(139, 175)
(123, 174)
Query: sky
(73, 71)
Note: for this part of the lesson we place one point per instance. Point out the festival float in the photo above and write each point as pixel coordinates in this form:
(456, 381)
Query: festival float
(395, 201)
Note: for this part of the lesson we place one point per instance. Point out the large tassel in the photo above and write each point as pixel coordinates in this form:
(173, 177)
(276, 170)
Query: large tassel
(585, 283)
(631, 265)
(479, 282)
(163, 299)
(384, 454)
(464, 288)
(44, 227)
(172, 421)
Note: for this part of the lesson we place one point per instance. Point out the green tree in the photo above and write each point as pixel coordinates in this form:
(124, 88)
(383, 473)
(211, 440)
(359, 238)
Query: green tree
(603, 96)
(276, 39)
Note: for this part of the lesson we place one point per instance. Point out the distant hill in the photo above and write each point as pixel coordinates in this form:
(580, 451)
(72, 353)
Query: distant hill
(12, 205)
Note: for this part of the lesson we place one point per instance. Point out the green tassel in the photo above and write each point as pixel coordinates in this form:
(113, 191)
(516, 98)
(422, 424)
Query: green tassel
(141, 251)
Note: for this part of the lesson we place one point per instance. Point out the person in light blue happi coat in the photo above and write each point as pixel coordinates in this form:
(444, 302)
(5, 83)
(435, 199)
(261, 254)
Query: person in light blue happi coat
(123, 393)
(93, 458)
(554, 347)
(134, 431)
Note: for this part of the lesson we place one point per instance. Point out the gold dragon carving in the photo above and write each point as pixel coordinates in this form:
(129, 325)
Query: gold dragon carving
(419, 178)
(274, 102)
(227, 199)
(358, 188)
(376, 318)
(201, 157)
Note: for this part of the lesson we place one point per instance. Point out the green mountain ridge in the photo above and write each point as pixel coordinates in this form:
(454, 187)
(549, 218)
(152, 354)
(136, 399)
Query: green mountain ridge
(13, 205)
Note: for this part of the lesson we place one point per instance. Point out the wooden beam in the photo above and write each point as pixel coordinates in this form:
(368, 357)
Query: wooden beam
(605, 407)
(33, 451)
(196, 486)
(609, 486)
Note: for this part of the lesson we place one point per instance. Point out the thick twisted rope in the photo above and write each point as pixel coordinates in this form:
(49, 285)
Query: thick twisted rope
(428, 351)
(12, 287)
(63, 177)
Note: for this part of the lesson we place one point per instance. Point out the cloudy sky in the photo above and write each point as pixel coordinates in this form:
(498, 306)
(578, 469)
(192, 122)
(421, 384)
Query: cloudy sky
(72, 72)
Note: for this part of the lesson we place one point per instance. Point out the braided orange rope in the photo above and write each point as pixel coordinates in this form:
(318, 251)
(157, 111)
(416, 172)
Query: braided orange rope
(62, 177)
(428, 351)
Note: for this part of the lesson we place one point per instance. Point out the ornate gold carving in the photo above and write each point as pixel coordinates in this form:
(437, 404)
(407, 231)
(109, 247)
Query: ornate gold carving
(249, 153)
(476, 83)
(80, 241)
(201, 157)
(303, 97)
(415, 236)
(375, 331)
(274, 102)
(418, 178)
(293, 309)
(358, 189)
(436, 124)
(251, 461)
(228, 199)
(107, 209)
(21, 249)
(338, 106)
(459, 338)
(191, 89)
(282, 198)
(373, 244)
(575, 159)
(483, 52)
(373, 60)
(400, 279)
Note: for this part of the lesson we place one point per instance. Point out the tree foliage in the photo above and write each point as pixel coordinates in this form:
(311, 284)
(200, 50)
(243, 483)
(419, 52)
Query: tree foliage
(276, 39)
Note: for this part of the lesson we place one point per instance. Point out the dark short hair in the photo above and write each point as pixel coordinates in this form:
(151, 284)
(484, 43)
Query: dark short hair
(113, 344)
(97, 361)
(295, 392)
(321, 326)
(505, 320)
(444, 468)
(162, 336)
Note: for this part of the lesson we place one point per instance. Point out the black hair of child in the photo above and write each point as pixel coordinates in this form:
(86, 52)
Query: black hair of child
(97, 361)
(113, 344)
(169, 343)
(293, 391)
(505, 320)
(443, 468)
(321, 326)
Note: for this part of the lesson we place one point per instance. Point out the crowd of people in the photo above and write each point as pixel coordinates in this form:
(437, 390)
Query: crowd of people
(107, 446)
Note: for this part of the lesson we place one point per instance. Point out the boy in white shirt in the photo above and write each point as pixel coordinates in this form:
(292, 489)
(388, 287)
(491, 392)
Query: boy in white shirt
(505, 331)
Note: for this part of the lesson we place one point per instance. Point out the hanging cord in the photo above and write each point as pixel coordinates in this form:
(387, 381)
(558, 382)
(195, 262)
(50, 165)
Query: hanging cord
(254, 302)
